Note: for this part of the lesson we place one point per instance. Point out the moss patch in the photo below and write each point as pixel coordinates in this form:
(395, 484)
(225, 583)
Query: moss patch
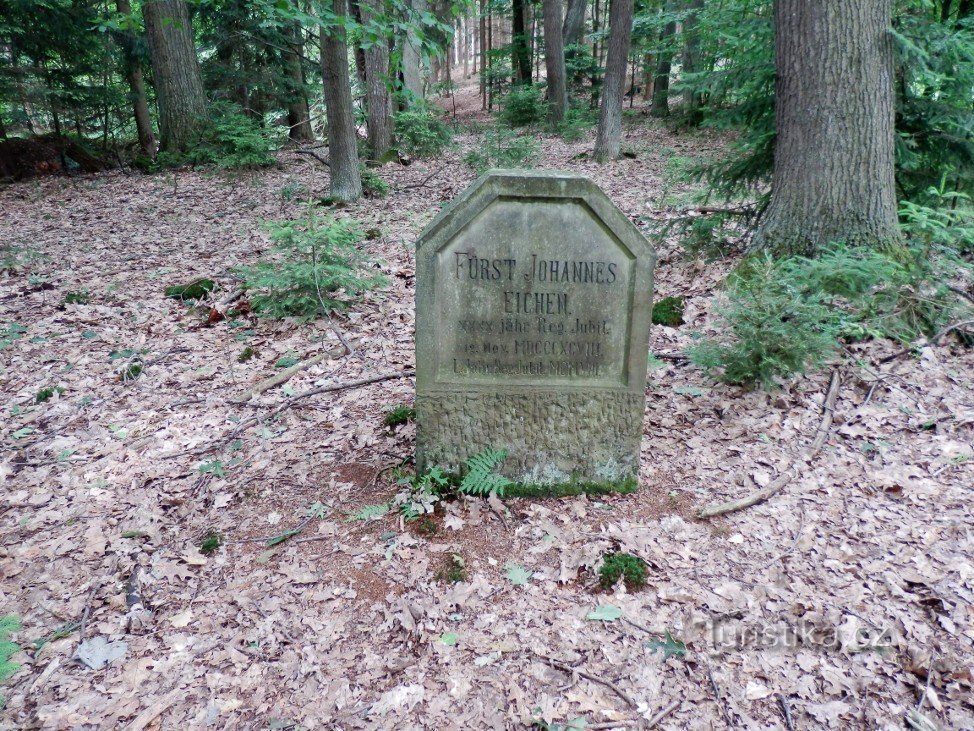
(631, 569)
(568, 489)
(669, 311)
(195, 290)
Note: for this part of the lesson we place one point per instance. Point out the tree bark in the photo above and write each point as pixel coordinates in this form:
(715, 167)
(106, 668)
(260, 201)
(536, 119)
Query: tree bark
(412, 79)
(608, 139)
(298, 113)
(133, 74)
(378, 100)
(833, 162)
(664, 62)
(554, 59)
(175, 72)
(574, 26)
(520, 50)
(691, 58)
(346, 181)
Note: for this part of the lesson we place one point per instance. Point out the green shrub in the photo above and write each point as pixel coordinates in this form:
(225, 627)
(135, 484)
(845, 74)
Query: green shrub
(46, 394)
(315, 263)
(229, 139)
(578, 121)
(8, 625)
(523, 105)
(372, 185)
(770, 328)
(77, 298)
(502, 148)
(421, 132)
(631, 569)
(195, 290)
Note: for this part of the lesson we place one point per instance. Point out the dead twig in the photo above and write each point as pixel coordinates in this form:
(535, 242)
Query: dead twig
(821, 434)
(425, 180)
(313, 154)
(930, 341)
(720, 699)
(785, 711)
(588, 676)
(286, 374)
(654, 721)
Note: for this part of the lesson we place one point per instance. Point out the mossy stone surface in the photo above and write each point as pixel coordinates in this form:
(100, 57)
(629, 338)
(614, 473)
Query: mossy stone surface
(669, 311)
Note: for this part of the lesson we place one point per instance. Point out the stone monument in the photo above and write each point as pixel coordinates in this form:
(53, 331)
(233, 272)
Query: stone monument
(533, 307)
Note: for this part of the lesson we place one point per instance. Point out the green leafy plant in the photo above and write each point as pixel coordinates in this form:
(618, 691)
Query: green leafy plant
(480, 477)
(631, 569)
(372, 185)
(502, 148)
(211, 542)
(668, 311)
(8, 625)
(315, 269)
(246, 354)
(578, 121)
(669, 646)
(368, 512)
(421, 132)
(77, 298)
(524, 104)
(46, 394)
(424, 492)
(399, 415)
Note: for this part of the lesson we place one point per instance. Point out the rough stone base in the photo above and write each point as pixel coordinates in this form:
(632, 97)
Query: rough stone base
(551, 437)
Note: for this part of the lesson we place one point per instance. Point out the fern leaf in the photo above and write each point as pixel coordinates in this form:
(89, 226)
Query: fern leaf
(480, 478)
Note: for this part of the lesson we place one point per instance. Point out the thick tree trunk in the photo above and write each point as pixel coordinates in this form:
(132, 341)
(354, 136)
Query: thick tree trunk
(554, 59)
(833, 162)
(175, 72)
(691, 57)
(661, 84)
(608, 139)
(520, 49)
(298, 113)
(378, 100)
(346, 181)
(133, 74)
(574, 26)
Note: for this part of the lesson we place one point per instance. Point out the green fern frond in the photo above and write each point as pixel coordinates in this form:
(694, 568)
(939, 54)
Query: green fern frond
(480, 478)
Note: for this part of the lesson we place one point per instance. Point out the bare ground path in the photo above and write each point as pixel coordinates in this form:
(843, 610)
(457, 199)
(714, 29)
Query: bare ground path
(863, 565)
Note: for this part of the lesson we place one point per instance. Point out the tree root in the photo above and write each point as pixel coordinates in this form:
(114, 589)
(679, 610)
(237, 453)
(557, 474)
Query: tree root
(821, 434)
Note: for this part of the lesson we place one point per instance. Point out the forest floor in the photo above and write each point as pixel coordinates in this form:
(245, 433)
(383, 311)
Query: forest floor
(824, 607)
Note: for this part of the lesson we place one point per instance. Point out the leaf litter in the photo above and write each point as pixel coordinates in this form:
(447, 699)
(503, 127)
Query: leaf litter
(846, 599)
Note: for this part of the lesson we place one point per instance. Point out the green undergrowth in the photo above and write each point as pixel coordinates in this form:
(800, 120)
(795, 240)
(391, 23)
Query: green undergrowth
(571, 488)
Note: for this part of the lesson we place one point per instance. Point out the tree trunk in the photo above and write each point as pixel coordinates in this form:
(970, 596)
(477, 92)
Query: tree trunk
(133, 74)
(484, 44)
(691, 58)
(554, 59)
(833, 162)
(520, 50)
(412, 79)
(574, 25)
(661, 84)
(298, 113)
(378, 100)
(608, 139)
(346, 181)
(175, 72)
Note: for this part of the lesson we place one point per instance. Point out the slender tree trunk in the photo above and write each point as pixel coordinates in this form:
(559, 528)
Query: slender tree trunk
(833, 162)
(520, 50)
(175, 72)
(411, 77)
(484, 43)
(664, 62)
(133, 74)
(554, 58)
(298, 113)
(649, 64)
(574, 26)
(608, 139)
(346, 181)
(691, 57)
(595, 79)
(378, 100)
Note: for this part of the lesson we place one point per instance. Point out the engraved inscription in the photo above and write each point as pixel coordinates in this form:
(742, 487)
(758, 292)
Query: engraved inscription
(525, 300)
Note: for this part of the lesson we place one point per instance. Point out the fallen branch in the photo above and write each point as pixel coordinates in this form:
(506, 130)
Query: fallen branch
(821, 434)
(315, 155)
(654, 721)
(930, 341)
(589, 676)
(285, 375)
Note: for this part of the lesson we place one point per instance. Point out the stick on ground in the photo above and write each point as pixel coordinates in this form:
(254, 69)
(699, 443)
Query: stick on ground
(285, 375)
(821, 434)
